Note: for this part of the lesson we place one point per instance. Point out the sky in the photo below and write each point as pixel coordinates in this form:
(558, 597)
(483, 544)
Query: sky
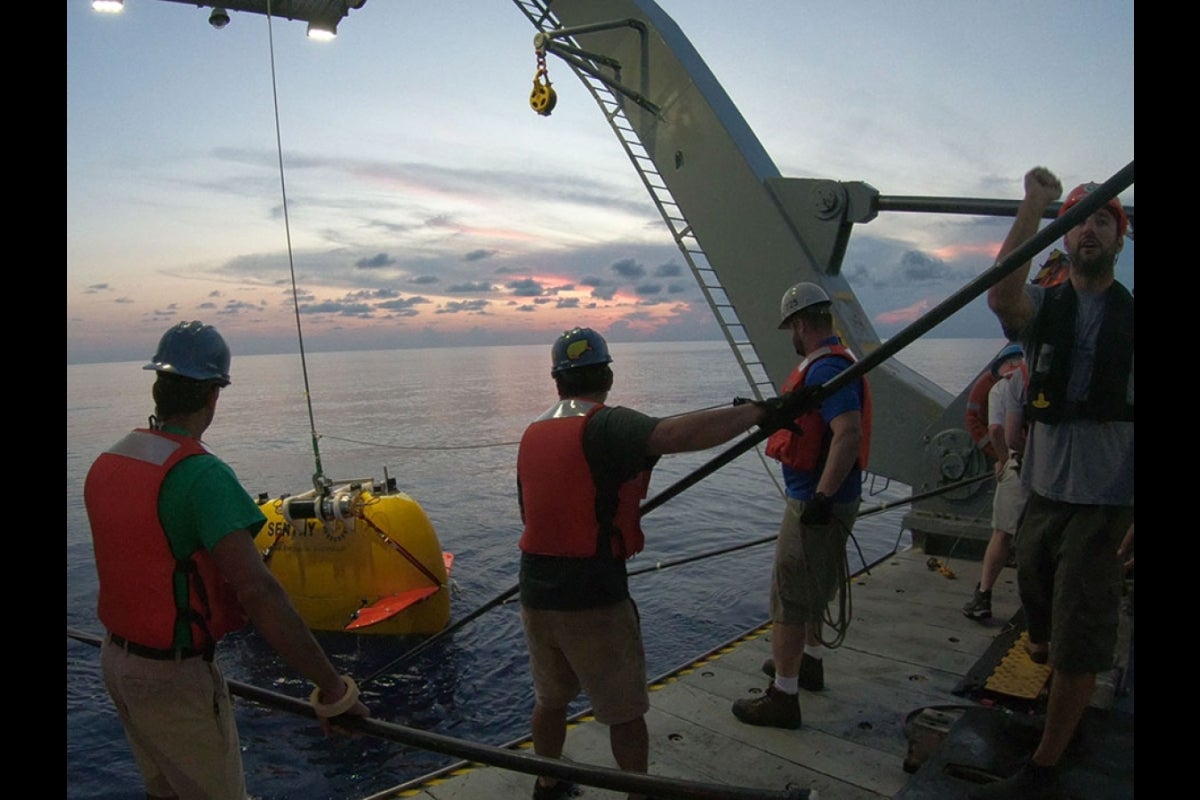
(427, 204)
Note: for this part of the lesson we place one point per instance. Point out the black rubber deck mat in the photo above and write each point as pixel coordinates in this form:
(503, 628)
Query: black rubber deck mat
(985, 744)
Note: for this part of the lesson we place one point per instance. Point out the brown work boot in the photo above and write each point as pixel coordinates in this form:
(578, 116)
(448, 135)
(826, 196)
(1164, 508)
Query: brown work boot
(979, 607)
(812, 673)
(774, 709)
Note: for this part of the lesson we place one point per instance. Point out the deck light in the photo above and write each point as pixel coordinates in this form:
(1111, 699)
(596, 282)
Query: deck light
(108, 6)
(322, 29)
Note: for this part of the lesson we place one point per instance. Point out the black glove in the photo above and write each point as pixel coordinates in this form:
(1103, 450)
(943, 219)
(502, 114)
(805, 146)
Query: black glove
(817, 511)
(782, 411)
(802, 400)
(776, 414)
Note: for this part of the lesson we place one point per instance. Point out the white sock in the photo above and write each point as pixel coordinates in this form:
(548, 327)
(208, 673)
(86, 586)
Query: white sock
(814, 651)
(787, 685)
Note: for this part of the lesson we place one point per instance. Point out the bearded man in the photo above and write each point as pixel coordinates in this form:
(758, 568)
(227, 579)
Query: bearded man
(1078, 463)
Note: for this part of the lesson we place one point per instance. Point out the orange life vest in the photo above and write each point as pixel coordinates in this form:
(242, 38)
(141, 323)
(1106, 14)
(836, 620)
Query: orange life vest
(559, 491)
(805, 450)
(976, 415)
(133, 556)
(1055, 271)
(977, 409)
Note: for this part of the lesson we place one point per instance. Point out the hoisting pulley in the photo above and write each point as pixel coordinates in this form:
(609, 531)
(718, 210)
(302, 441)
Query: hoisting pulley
(543, 98)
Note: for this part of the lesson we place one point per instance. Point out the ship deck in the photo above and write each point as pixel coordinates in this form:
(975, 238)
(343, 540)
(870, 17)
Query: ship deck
(919, 702)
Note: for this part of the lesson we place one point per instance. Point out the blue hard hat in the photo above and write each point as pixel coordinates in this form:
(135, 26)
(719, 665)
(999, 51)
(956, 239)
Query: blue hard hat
(1013, 350)
(578, 347)
(194, 350)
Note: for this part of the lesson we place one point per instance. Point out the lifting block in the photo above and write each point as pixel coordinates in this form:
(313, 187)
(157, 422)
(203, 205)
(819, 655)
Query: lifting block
(927, 732)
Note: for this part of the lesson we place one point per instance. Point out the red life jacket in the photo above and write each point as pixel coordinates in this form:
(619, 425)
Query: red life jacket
(558, 490)
(133, 556)
(805, 451)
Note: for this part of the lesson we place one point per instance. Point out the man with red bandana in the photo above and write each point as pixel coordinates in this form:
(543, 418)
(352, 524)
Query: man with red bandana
(1078, 462)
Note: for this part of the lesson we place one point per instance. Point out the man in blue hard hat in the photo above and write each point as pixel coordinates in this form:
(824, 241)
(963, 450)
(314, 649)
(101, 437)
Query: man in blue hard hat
(173, 532)
(1006, 432)
(583, 468)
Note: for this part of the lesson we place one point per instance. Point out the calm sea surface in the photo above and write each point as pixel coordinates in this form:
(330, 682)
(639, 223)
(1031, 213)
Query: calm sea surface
(444, 423)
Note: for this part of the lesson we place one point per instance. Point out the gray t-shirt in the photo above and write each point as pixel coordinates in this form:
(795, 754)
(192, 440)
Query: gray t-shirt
(1079, 461)
(1004, 398)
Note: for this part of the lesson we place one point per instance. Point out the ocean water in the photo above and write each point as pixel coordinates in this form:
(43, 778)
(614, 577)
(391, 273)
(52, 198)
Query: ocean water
(444, 423)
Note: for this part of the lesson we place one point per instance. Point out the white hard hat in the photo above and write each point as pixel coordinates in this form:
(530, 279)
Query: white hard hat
(798, 298)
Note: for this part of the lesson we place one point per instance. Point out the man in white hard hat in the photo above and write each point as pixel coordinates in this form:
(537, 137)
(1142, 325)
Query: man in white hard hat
(823, 455)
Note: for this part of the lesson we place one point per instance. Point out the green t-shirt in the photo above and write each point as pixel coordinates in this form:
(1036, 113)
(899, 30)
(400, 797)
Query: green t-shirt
(202, 502)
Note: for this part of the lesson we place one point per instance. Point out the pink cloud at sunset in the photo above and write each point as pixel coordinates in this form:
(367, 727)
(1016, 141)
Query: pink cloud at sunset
(903, 316)
(953, 252)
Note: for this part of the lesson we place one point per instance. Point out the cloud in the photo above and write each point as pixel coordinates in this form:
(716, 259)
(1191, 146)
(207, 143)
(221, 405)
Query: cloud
(463, 288)
(525, 288)
(602, 288)
(465, 307)
(917, 267)
(375, 262)
(238, 307)
(404, 303)
(628, 268)
(904, 316)
(954, 252)
(374, 294)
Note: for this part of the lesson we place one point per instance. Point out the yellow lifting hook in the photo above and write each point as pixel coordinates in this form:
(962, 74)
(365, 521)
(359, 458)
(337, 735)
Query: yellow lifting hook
(543, 98)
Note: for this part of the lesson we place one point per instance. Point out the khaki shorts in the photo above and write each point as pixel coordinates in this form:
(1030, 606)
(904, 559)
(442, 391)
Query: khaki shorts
(179, 720)
(597, 651)
(1009, 499)
(810, 563)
